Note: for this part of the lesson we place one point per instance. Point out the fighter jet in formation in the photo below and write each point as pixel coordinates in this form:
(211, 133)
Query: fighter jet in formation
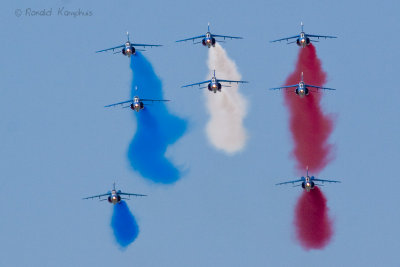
(308, 182)
(208, 39)
(302, 89)
(128, 48)
(214, 84)
(303, 39)
(114, 196)
(136, 103)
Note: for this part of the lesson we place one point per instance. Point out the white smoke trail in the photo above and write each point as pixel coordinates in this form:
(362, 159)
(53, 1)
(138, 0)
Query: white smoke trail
(227, 108)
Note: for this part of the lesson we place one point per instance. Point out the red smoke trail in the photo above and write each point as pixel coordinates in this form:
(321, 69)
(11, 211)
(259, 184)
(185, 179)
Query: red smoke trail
(309, 126)
(310, 131)
(313, 226)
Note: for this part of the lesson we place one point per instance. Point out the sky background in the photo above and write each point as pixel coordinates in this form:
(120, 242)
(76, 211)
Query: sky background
(58, 143)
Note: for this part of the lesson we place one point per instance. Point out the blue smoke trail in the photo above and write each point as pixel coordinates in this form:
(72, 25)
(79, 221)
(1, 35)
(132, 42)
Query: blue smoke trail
(156, 127)
(124, 225)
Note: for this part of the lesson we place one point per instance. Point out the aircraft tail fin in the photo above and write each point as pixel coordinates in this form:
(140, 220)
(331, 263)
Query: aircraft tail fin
(307, 170)
(127, 35)
(302, 79)
(208, 28)
(302, 26)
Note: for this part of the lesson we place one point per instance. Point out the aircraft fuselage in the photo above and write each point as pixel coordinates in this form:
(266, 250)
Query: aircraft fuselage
(114, 198)
(214, 85)
(128, 50)
(301, 89)
(303, 40)
(308, 184)
(208, 40)
(137, 104)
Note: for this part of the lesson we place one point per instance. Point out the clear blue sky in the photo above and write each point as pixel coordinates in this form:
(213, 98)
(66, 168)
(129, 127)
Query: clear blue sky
(58, 143)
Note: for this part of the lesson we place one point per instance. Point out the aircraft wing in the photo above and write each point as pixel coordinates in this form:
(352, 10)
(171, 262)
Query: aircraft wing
(285, 39)
(120, 103)
(193, 84)
(144, 45)
(112, 48)
(229, 81)
(130, 194)
(325, 181)
(97, 196)
(284, 87)
(319, 87)
(320, 36)
(290, 182)
(192, 38)
(155, 100)
(226, 36)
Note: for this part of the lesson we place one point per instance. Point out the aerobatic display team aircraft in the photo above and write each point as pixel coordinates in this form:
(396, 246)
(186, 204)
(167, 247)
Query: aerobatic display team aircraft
(114, 196)
(308, 182)
(136, 103)
(302, 89)
(209, 39)
(128, 48)
(214, 84)
(303, 39)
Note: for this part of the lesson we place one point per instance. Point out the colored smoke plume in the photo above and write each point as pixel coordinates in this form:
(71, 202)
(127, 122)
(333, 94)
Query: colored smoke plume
(310, 127)
(227, 109)
(124, 225)
(156, 127)
(313, 225)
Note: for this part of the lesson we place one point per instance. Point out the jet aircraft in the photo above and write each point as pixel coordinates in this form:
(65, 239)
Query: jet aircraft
(208, 39)
(308, 182)
(214, 84)
(302, 89)
(114, 196)
(303, 39)
(136, 103)
(128, 48)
